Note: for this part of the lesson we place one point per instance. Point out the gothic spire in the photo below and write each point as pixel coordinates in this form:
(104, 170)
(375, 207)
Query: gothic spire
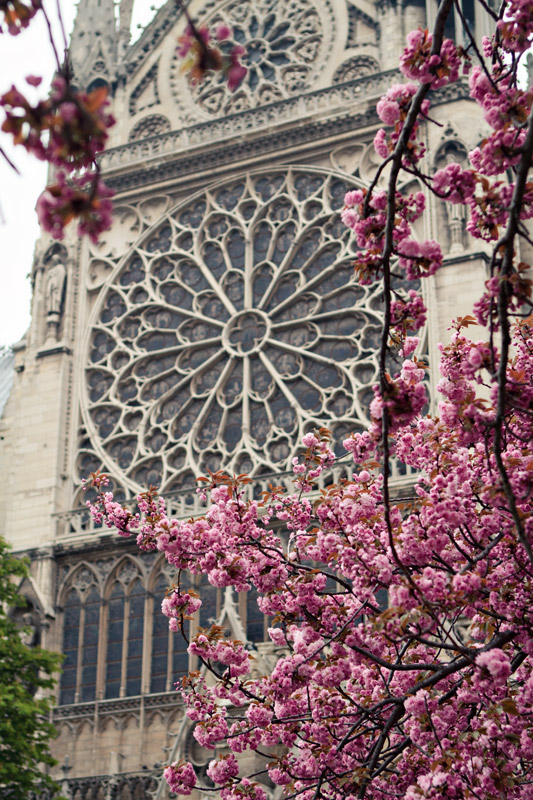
(125, 13)
(94, 42)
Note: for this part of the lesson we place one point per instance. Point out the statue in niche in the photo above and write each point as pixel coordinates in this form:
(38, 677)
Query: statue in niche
(457, 216)
(29, 635)
(56, 275)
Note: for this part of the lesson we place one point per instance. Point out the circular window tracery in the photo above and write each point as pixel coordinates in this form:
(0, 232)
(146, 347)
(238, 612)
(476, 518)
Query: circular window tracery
(286, 48)
(232, 327)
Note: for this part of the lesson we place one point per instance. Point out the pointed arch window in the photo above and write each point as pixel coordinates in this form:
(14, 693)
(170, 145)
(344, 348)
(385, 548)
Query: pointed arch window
(124, 640)
(115, 638)
(71, 630)
(159, 681)
(117, 642)
(255, 620)
(81, 626)
(211, 603)
(169, 657)
(134, 636)
(89, 651)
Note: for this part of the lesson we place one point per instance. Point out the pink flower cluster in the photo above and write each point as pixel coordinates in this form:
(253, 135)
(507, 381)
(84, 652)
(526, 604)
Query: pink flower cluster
(401, 618)
(454, 183)
(181, 777)
(107, 510)
(367, 218)
(419, 259)
(392, 110)
(494, 668)
(223, 769)
(338, 646)
(405, 397)
(418, 64)
(68, 130)
(202, 58)
(86, 198)
(177, 606)
(318, 457)
(409, 313)
(516, 28)
(231, 653)
(17, 14)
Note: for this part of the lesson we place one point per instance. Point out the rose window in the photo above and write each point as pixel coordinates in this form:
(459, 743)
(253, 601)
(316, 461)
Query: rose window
(234, 326)
(286, 45)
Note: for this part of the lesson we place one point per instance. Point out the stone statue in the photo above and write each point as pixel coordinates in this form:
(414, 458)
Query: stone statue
(29, 636)
(56, 274)
(55, 282)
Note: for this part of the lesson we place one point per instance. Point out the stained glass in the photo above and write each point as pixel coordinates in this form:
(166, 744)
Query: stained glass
(135, 640)
(115, 636)
(251, 326)
(71, 628)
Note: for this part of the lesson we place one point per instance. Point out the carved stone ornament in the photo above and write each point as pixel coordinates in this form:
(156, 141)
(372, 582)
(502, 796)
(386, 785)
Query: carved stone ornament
(230, 329)
(153, 125)
(127, 573)
(287, 46)
(83, 579)
(354, 68)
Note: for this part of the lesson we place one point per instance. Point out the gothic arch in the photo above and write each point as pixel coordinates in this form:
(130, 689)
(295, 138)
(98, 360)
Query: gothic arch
(130, 720)
(452, 219)
(156, 715)
(104, 723)
(452, 149)
(55, 249)
(126, 571)
(83, 742)
(123, 629)
(159, 567)
(354, 68)
(81, 578)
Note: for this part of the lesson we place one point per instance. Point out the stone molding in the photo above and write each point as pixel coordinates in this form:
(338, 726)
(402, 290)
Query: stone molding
(290, 110)
(121, 706)
(271, 128)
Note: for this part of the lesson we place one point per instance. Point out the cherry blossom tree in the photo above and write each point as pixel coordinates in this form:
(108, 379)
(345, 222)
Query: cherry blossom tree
(69, 128)
(432, 696)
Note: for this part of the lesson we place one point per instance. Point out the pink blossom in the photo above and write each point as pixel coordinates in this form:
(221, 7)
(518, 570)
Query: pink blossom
(223, 769)
(181, 778)
(222, 31)
(496, 663)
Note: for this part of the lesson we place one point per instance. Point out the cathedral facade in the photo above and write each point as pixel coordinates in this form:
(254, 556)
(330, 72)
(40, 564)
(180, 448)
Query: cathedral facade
(216, 322)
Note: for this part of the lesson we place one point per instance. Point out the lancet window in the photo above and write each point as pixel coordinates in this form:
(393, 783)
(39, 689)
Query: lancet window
(117, 642)
(80, 645)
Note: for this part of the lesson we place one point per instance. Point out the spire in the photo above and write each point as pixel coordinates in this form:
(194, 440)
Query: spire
(125, 13)
(94, 41)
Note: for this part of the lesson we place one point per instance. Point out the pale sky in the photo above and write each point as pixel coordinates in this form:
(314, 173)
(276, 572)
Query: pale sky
(29, 53)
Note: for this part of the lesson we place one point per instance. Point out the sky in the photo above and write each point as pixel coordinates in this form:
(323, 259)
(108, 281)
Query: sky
(30, 53)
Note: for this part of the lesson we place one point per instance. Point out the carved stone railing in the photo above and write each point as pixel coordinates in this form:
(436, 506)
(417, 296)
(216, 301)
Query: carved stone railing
(187, 503)
(243, 123)
(117, 706)
(121, 786)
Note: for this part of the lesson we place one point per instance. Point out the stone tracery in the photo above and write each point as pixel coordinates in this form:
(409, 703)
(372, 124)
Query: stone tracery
(234, 325)
(286, 46)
